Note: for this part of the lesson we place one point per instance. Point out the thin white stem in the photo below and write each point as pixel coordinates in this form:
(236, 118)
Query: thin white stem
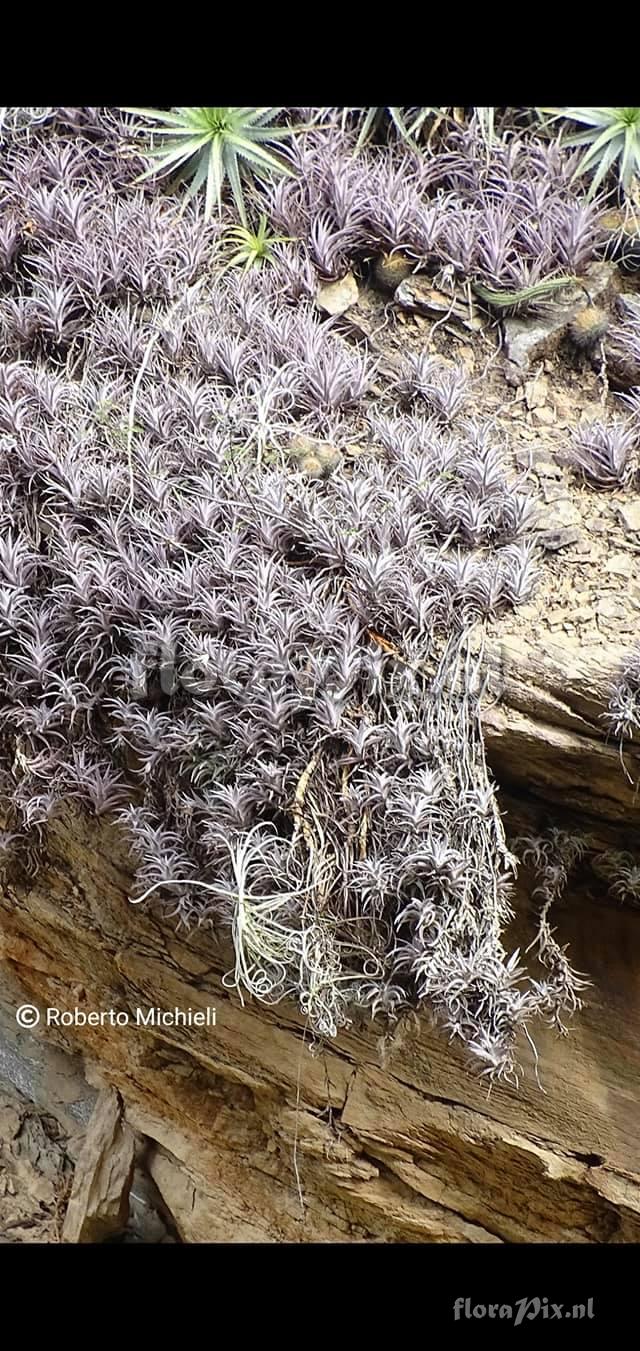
(132, 408)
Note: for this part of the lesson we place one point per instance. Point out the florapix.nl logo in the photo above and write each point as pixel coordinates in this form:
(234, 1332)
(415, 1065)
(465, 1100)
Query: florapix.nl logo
(521, 1311)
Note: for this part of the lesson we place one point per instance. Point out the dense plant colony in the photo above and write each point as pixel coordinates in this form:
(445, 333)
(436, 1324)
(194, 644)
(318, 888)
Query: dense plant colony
(271, 678)
(506, 219)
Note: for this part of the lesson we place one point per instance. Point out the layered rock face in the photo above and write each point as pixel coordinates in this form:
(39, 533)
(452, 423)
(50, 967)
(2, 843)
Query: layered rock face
(249, 1133)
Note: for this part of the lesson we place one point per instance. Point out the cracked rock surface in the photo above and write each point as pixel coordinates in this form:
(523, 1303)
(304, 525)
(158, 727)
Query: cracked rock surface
(249, 1137)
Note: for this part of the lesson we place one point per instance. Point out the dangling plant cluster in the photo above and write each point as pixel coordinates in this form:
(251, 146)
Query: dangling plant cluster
(553, 857)
(624, 700)
(273, 680)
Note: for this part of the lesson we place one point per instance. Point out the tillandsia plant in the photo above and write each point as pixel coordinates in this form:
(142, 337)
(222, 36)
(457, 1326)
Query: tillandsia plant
(622, 871)
(606, 451)
(613, 139)
(251, 248)
(625, 341)
(624, 700)
(213, 145)
(623, 715)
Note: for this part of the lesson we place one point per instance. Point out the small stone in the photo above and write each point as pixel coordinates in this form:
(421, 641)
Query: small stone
(562, 511)
(610, 608)
(553, 540)
(565, 406)
(545, 415)
(629, 517)
(536, 391)
(467, 356)
(565, 513)
(526, 340)
(513, 375)
(99, 1201)
(622, 565)
(421, 294)
(546, 468)
(538, 463)
(335, 297)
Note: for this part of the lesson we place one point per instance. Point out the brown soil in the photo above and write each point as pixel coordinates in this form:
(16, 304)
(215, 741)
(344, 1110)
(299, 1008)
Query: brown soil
(590, 575)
